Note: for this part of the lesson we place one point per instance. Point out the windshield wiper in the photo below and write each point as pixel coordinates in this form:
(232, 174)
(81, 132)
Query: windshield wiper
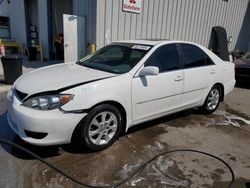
(83, 64)
(97, 67)
(79, 63)
(89, 66)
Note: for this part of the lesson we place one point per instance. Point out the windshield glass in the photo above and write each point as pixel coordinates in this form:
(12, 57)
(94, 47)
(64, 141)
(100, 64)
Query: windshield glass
(117, 58)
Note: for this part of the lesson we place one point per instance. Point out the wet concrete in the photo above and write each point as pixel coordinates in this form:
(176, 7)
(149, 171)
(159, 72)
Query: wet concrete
(225, 134)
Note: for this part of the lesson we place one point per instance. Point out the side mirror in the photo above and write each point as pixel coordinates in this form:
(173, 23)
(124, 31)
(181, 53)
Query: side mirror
(150, 70)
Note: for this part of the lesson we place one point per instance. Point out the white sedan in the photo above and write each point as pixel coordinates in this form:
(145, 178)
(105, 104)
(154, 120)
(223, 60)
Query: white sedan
(121, 85)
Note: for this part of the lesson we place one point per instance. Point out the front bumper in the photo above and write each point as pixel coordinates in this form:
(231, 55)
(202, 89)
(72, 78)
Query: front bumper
(58, 126)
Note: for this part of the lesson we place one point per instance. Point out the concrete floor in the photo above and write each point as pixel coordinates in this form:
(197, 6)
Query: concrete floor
(226, 134)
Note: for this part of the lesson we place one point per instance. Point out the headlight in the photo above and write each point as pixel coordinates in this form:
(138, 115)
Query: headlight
(48, 102)
(10, 94)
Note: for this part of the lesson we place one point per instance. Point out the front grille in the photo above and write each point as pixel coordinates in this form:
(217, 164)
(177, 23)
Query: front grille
(35, 135)
(20, 94)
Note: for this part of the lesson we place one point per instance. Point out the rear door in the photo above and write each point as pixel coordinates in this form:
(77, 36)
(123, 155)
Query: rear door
(199, 74)
(158, 94)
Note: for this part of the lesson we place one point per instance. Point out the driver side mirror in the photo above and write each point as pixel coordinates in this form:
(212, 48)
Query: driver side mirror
(150, 70)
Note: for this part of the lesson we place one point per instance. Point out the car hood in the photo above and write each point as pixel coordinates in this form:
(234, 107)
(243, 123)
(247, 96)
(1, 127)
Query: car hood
(56, 77)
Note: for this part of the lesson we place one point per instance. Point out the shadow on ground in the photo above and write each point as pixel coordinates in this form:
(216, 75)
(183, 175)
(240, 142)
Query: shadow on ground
(74, 148)
(242, 83)
(7, 134)
(134, 147)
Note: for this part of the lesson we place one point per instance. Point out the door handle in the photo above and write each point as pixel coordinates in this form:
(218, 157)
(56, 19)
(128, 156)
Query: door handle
(66, 45)
(178, 78)
(212, 71)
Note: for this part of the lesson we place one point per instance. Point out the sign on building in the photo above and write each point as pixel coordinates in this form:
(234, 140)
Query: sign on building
(132, 6)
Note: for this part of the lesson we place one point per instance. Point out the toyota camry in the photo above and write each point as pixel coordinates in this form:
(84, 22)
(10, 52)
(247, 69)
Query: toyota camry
(119, 86)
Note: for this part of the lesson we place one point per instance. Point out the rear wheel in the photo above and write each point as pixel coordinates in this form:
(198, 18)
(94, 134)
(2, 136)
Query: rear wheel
(101, 127)
(212, 101)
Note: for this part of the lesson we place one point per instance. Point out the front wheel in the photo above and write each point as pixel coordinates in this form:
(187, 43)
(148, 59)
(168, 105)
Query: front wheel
(212, 101)
(101, 127)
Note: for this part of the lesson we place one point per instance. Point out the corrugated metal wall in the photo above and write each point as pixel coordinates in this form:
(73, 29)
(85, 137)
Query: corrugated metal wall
(190, 20)
(243, 42)
(87, 8)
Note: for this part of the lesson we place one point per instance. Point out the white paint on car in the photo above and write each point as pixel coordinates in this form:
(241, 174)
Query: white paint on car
(142, 97)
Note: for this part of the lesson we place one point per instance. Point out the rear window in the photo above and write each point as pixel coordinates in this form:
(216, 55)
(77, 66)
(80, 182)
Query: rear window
(194, 56)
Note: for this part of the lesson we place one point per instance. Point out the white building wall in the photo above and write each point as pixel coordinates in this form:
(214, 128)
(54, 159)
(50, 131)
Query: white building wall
(190, 20)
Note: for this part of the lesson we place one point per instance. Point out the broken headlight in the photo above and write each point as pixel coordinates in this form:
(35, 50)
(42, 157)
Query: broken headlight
(48, 102)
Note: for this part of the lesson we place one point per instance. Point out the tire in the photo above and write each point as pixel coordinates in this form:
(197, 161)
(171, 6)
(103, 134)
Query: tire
(212, 101)
(101, 127)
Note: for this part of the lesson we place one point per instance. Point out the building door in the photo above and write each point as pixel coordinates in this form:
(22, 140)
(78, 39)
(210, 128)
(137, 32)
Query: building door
(74, 29)
(58, 8)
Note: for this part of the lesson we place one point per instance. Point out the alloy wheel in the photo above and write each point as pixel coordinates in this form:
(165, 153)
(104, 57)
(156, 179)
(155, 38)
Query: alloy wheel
(213, 99)
(103, 128)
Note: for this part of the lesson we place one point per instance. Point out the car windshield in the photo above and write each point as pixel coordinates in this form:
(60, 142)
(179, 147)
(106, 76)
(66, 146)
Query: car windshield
(116, 58)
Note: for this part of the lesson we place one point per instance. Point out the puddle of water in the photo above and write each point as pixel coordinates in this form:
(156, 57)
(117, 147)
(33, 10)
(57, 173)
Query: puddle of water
(160, 170)
(164, 164)
(221, 118)
(155, 148)
(159, 145)
(128, 169)
(56, 182)
(166, 178)
(134, 182)
(230, 119)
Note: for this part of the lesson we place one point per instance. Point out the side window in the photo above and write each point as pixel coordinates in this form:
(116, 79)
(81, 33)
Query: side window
(166, 58)
(194, 56)
(209, 60)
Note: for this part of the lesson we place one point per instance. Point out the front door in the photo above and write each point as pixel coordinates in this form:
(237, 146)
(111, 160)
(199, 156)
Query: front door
(158, 94)
(74, 29)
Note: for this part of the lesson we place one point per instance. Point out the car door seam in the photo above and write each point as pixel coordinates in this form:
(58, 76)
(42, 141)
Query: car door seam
(170, 96)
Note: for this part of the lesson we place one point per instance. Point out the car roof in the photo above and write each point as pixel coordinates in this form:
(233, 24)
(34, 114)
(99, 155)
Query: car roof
(154, 42)
(144, 41)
